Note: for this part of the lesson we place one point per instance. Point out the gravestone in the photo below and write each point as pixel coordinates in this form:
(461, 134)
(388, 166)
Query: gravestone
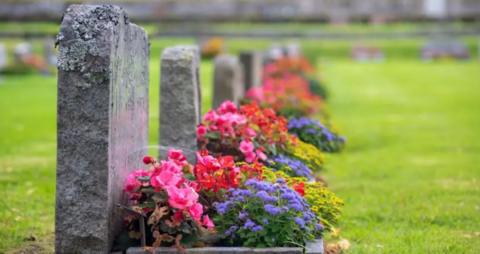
(252, 68)
(3, 57)
(49, 51)
(180, 100)
(102, 123)
(293, 50)
(228, 80)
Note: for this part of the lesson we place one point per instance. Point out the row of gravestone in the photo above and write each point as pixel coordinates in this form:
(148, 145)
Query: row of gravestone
(103, 116)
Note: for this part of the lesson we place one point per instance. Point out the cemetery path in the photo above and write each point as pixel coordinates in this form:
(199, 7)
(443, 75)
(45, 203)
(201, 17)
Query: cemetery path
(410, 175)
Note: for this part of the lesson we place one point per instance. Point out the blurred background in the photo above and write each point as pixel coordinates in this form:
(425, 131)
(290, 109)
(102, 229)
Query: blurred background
(403, 76)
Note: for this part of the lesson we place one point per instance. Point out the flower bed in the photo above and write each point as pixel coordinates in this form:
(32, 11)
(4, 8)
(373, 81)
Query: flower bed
(255, 186)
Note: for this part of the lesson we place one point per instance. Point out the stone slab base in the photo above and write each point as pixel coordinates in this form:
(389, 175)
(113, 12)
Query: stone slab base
(315, 247)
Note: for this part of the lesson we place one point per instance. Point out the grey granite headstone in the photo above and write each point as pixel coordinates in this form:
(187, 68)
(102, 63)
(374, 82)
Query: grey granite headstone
(102, 123)
(180, 100)
(3, 56)
(228, 80)
(252, 68)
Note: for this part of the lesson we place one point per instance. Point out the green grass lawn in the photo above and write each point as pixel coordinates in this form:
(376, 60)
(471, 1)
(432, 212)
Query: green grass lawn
(410, 175)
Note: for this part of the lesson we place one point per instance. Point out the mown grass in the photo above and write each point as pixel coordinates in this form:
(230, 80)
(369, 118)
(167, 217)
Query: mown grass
(409, 176)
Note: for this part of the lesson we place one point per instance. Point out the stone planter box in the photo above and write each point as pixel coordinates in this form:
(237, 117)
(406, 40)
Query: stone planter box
(315, 247)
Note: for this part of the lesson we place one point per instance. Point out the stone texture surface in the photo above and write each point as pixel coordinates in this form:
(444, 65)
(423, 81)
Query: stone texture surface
(179, 100)
(252, 68)
(315, 247)
(102, 123)
(228, 80)
(221, 250)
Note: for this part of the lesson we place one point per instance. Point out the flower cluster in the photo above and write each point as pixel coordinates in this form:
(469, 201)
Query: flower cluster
(246, 133)
(214, 174)
(167, 198)
(256, 173)
(315, 133)
(299, 65)
(288, 94)
(266, 214)
(323, 202)
(291, 166)
(308, 154)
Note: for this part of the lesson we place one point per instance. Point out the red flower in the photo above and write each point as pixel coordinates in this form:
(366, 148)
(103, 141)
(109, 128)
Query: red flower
(148, 160)
(300, 188)
(216, 173)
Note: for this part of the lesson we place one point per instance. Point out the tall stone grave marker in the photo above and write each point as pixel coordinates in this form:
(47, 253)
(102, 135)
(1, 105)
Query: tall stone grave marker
(252, 68)
(228, 80)
(102, 123)
(3, 56)
(180, 99)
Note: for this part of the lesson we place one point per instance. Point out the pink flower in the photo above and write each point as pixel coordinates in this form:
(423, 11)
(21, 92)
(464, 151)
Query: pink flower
(181, 198)
(227, 107)
(250, 157)
(132, 183)
(201, 131)
(246, 146)
(207, 222)
(260, 154)
(196, 212)
(171, 166)
(210, 116)
(250, 132)
(178, 157)
(165, 179)
(256, 93)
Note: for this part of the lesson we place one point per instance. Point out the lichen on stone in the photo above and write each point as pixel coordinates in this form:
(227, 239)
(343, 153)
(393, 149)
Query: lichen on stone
(84, 39)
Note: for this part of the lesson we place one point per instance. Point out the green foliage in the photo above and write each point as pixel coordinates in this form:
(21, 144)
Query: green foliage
(318, 88)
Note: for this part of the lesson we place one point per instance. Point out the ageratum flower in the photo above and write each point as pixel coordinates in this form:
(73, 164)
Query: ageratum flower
(313, 132)
(295, 167)
(247, 214)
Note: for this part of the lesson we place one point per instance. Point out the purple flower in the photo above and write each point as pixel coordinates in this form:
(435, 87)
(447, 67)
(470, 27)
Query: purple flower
(271, 209)
(300, 222)
(222, 208)
(257, 228)
(296, 206)
(249, 224)
(288, 196)
(259, 185)
(242, 215)
(231, 230)
(298, 167)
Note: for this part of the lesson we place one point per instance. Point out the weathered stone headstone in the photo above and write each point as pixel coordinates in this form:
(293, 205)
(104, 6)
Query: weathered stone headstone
(252, 68)
(49, 51)
(102, 123)
(293, 50)
(228, 80)
(3, 56)
(180, 99)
